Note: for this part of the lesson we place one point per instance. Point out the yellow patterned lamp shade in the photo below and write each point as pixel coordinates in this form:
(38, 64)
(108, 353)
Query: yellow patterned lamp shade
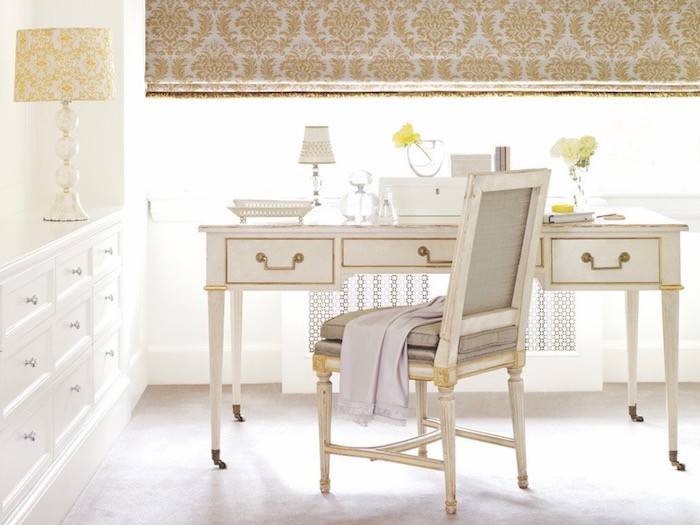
(64, 64)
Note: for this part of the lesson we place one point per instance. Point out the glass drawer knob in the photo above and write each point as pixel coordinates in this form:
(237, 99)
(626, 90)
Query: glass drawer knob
(30, 362)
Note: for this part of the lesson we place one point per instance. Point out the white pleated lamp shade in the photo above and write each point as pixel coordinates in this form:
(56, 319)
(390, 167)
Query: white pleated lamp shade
(316, 147)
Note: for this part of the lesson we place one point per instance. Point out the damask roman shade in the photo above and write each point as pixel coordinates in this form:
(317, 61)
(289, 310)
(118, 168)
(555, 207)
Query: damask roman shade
(422, 46)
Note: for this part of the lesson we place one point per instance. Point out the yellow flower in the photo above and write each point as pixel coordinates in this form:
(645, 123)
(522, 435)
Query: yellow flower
(405, 136)
(588, 145)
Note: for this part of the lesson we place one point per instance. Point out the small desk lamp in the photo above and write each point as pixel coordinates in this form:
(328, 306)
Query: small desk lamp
(316, 149)
(64, 64)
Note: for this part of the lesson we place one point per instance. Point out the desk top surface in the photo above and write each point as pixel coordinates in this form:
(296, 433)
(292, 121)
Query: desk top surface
(635, 219)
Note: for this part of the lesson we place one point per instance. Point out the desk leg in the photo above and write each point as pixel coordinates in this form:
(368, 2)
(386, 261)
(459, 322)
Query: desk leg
(632, 313)
(669, 305)
(216, 358)
(236, 347)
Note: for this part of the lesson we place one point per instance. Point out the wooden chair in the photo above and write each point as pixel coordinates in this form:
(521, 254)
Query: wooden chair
(482, 328)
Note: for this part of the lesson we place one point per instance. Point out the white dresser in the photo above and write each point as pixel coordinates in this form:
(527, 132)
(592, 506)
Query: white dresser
(60, 345)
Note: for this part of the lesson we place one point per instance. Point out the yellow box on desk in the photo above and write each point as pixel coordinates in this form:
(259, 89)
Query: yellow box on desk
(429, 200)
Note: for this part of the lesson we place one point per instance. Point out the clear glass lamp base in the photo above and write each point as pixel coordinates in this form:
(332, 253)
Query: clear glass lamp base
(66, 208)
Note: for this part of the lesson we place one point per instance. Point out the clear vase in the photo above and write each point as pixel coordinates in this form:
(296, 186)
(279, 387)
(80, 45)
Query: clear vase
(425, 157)
(578, 178)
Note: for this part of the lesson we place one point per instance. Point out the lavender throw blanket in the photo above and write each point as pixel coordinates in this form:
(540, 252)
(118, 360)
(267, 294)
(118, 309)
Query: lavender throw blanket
(374, 362)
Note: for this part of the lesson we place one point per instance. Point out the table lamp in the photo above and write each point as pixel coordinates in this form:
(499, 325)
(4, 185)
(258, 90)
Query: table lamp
(64, 64)
(316, 149)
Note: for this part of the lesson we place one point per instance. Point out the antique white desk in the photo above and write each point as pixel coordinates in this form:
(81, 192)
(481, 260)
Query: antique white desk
(641, 252)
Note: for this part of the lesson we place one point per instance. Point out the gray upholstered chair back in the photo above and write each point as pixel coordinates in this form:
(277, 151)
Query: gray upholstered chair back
(498, 244)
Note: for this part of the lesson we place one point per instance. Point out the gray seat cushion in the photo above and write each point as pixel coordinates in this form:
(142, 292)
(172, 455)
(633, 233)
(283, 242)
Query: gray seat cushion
(422, 341)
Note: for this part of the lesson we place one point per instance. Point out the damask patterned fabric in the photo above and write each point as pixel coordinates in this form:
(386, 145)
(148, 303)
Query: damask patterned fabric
(254, 46)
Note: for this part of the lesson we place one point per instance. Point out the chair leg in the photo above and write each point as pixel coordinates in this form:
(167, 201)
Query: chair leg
(324, 394)
(516, 389)
(421, 412)
(447, 428)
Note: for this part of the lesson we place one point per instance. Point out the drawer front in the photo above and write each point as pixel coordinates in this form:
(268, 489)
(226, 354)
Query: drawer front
(277, 261)
(24, 368)
(106, 304)
(606, 261)
(106, 255)
(27, 299)
(414, 253)
(71, 400)
(73, 273)
(72, 331)
(25, 451)
(105, 362)
(436, 200)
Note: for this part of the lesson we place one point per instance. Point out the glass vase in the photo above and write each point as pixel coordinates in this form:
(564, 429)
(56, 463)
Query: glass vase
(578, 178)
(425, 157)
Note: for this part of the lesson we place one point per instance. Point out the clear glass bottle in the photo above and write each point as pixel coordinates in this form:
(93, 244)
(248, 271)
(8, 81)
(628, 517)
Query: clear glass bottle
(359, 206)
(387, 212)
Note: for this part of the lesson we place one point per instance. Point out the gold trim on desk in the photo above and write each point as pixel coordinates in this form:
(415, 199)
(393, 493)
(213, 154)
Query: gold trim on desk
(671, 287)
(215, 288)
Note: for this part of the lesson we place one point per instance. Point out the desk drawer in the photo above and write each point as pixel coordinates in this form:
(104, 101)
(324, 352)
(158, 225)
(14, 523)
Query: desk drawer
(27, 299)
(606, 260)
(72, 400)
(418, 253)
(71, 332)
(25, 452)
(72, 273)
(277, 261)
(24, 369)
(106, 255)
(106, 304)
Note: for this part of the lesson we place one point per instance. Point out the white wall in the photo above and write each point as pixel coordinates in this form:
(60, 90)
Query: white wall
(248, 147)
(14, 184)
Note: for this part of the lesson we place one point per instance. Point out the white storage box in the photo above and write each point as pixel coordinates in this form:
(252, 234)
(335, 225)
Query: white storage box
(436, 200)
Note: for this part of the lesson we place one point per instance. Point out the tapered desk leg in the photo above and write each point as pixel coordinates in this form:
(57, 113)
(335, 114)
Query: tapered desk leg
(216, 358)
(236, 347)
(669, 305)
(632, 314)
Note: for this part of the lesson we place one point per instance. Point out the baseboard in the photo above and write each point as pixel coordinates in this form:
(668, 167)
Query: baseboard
(138, 373)
(52, 497)
(650, 361)
(168, 365)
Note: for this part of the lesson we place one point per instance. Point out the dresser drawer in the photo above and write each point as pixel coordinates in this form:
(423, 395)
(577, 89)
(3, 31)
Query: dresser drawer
(414, 253)
(618, 260)
(106, 255)
(106, 302)
(24, 367)
(72, 331)
(27, 299)
(276, 261)
(71, 400)
(72, 273)
(105, 362)
(25, 452)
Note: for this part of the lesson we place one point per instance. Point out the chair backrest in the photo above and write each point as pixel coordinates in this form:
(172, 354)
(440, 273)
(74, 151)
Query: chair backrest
(494, 259)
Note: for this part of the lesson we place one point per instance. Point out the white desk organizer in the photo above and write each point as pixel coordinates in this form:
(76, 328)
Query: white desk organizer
(436, 200)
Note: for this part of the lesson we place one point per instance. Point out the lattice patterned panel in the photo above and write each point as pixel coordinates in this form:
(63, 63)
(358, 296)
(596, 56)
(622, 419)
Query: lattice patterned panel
(552, 323)
(364, 291)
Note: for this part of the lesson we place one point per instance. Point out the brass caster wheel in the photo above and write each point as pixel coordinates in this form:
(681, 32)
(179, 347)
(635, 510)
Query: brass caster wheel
(237, 413)
(217, 460)
(633, 414)
(522, 482)
(673, 457)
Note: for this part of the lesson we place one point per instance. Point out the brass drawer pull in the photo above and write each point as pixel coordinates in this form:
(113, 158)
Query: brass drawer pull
(588, 258)
(424, 252)
(262, 258)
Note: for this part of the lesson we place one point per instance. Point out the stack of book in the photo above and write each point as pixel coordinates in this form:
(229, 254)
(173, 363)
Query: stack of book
(501, 158)
(574, 216)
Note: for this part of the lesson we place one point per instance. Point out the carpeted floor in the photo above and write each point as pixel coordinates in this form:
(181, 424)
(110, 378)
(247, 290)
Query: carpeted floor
(587, 463)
